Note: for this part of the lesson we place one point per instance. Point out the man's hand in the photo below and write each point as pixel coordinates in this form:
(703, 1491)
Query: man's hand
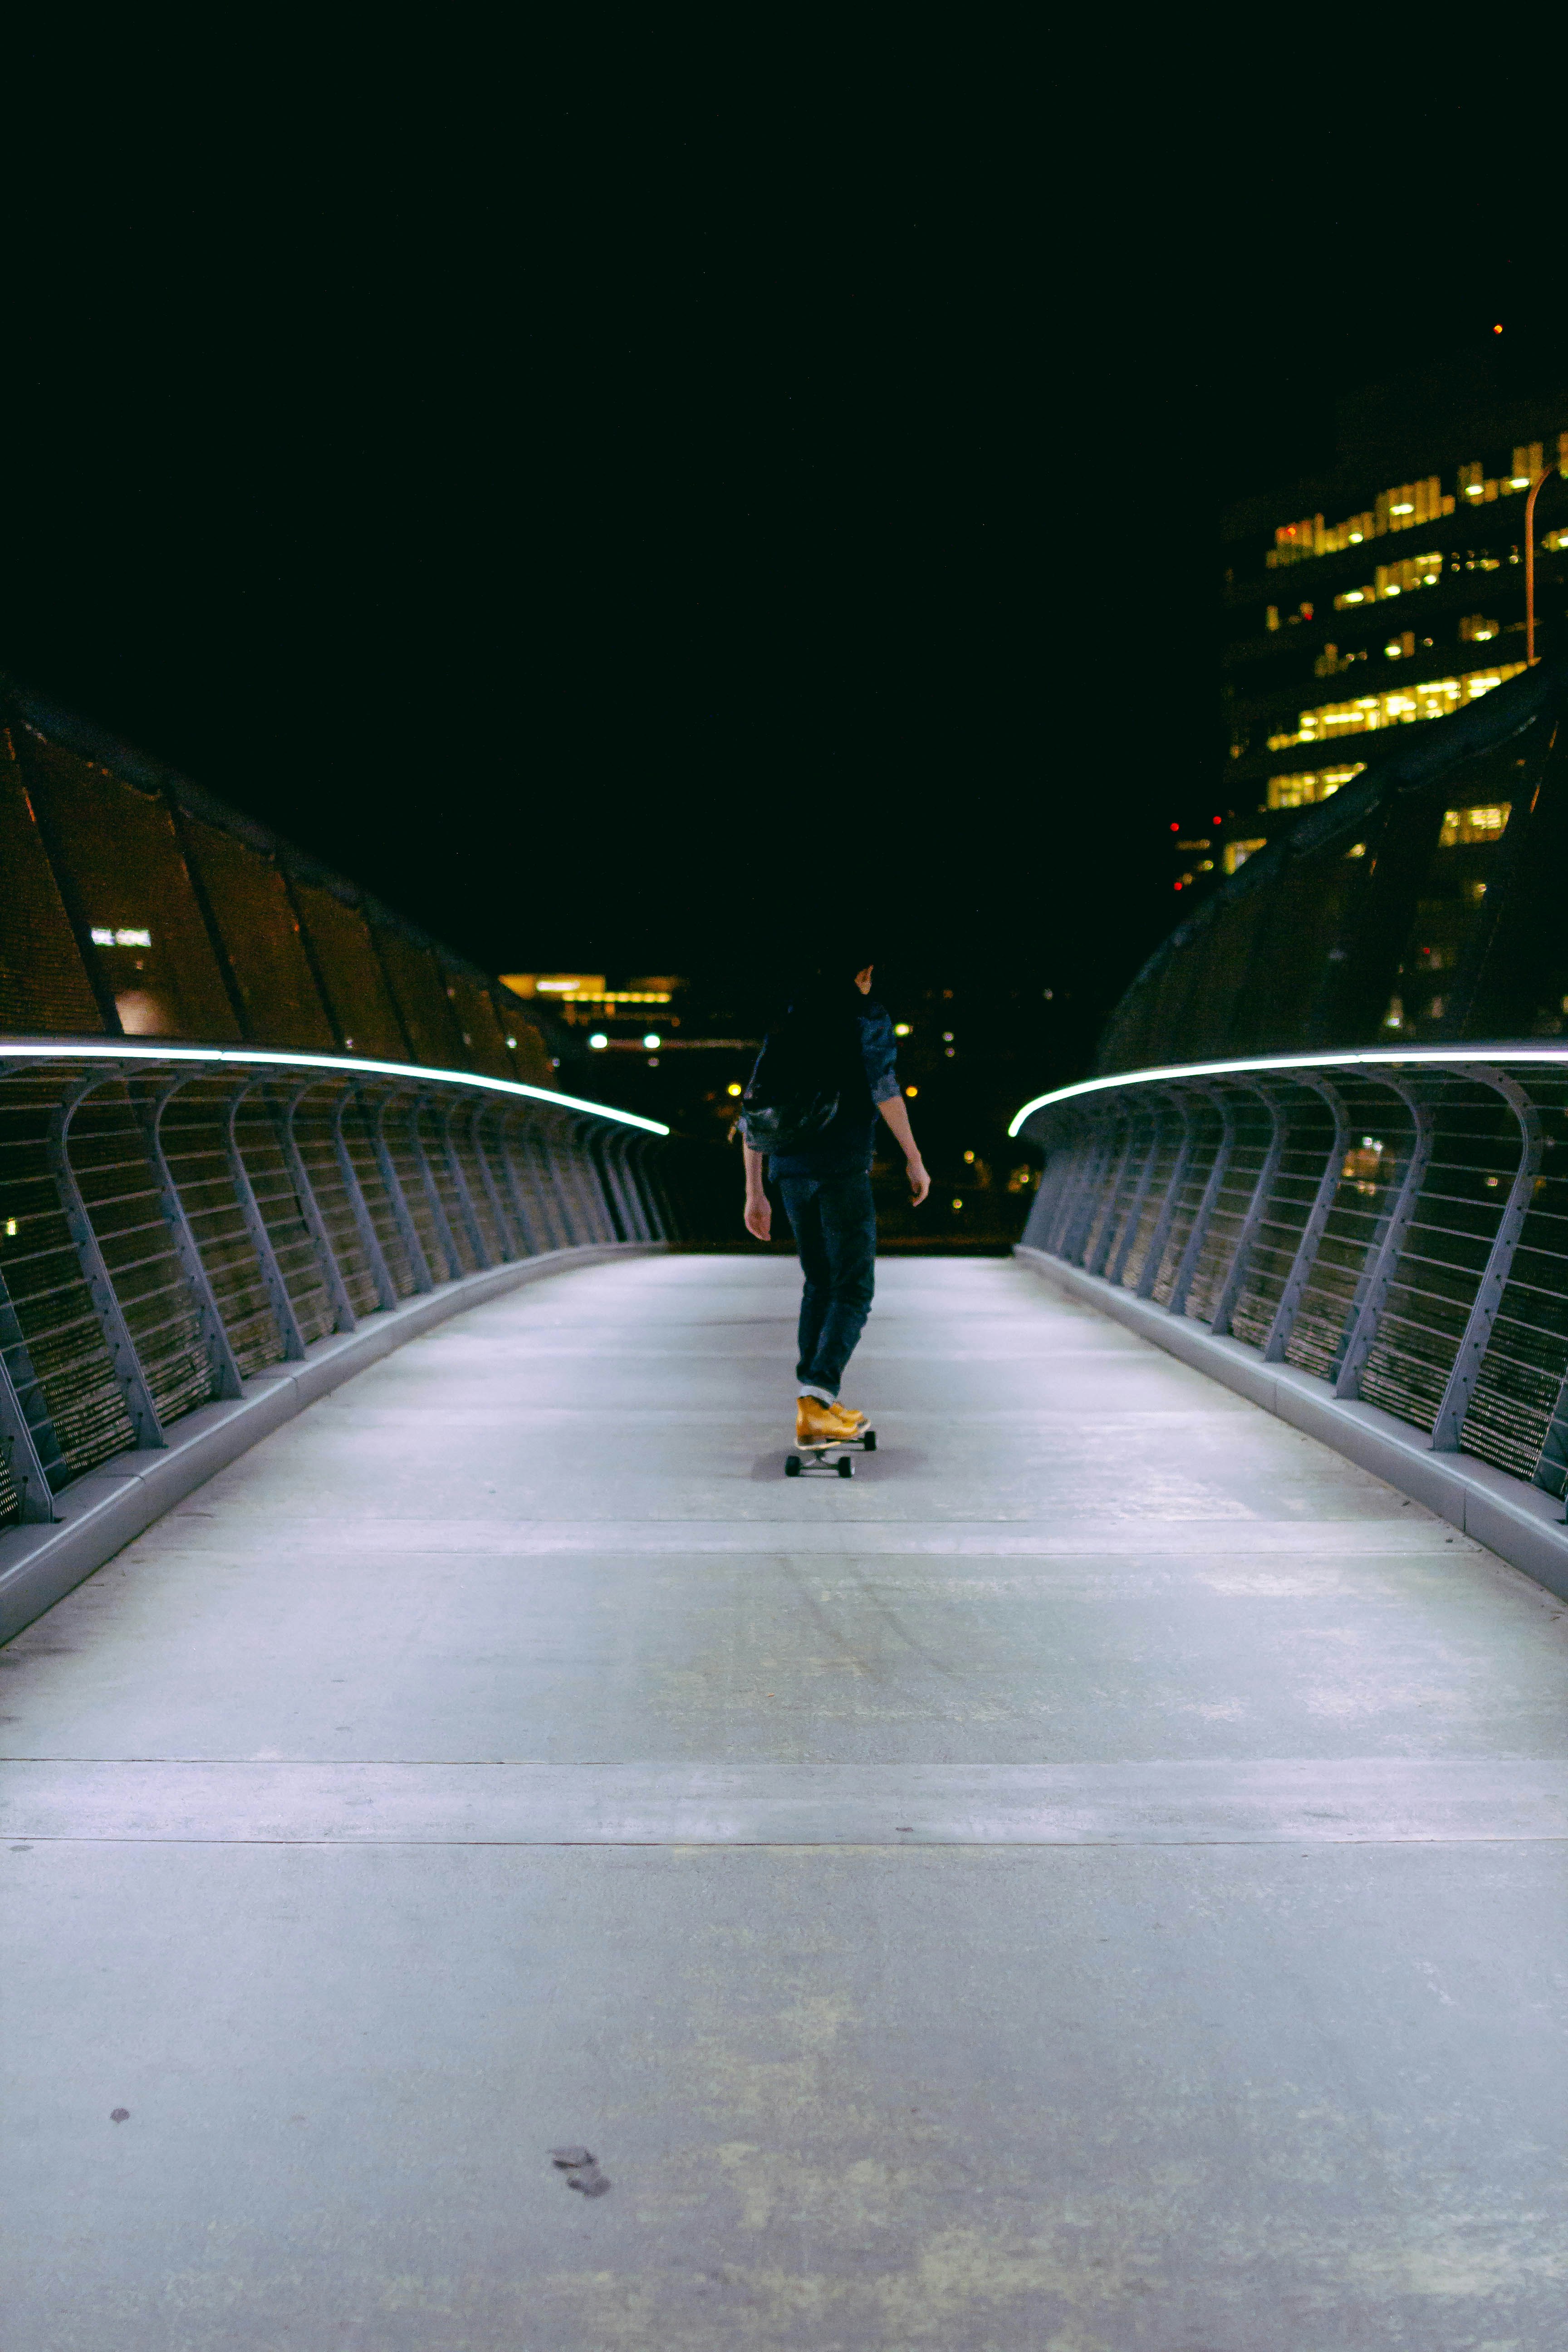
(919, 1182)
(760, 1216)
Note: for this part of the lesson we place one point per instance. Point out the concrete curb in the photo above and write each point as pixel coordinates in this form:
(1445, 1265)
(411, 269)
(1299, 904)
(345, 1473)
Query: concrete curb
(1521, 1524)
(100, 1513)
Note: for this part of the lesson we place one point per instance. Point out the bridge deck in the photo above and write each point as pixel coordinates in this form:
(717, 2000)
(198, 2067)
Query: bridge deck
(1089, 1882)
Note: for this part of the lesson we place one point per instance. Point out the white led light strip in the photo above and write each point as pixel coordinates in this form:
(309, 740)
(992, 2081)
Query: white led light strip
(1387, 1057)
(68, 1050)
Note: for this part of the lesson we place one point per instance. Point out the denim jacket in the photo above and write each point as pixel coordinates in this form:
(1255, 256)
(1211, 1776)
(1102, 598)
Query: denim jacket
(845, 1146)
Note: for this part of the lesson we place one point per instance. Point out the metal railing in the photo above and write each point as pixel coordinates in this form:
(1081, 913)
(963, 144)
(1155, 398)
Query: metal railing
(1393, 1223)
(175, 1220)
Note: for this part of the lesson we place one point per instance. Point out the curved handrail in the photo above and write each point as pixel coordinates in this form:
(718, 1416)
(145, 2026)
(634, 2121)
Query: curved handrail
(1441, 1300)
(124, 1049)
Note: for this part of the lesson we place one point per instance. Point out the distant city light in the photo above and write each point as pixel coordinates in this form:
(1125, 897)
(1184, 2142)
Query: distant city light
(652, 1041)
(598, 1041)
(969, 1157)
(958, 1204)
(1406, 508)
(733, 1087)
(912, 1092)
(1497, 331)
(511, 1045)
(900, 1028)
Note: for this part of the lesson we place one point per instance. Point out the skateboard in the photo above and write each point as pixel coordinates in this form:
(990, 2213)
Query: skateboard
(832, 1455)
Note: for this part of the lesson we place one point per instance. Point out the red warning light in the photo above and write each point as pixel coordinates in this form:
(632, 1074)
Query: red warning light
(1175, 828)
(1218, 820)
(1176, 885)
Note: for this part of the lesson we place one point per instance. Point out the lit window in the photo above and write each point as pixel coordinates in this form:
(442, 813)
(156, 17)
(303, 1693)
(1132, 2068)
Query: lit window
(1395, 510)
(1236, 853)
(1476, 629)
(1316, 785)
(1433, 699)
(10, 1229)
(100, 938)
(1488, 823)
(598, 1041)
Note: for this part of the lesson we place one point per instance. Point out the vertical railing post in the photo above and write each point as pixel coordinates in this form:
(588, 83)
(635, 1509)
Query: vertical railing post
(1092, 1193)
(503, 1224)
(364, 1224)
(124, 1361)
(1078, 1187)
(601, 1200)
(1219, 1099)
(1383, 1258)
(548, 1195)
(402, 1217)
(1129, 1231)
(1301, 1265)
(1154, 1255)
(1056, 1178)
(466, 1209)
(148, 1111)
(527, 1213)
(1094, 1258)
(619, 1183)
(1256, 1208)
(563, 1187)
(26, 1437)
(272, 1280)
(639, 1160)
(1460, 1385)
(447, 1238)
(343, 1316)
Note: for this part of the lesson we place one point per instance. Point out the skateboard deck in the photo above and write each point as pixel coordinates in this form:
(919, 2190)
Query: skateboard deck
(832, 1455)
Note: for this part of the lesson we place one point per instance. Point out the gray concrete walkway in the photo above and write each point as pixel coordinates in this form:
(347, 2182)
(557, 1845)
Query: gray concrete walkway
(1093, 1883)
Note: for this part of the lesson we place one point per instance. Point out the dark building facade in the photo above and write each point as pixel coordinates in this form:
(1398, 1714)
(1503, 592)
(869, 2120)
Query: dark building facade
(1378, 597)
(1420, 902)
(137, 905)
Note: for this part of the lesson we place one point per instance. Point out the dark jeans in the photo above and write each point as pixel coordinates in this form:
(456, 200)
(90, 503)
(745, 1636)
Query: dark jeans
(835, 1227)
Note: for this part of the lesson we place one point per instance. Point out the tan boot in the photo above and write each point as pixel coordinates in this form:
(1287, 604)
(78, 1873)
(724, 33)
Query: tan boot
(817, 1424)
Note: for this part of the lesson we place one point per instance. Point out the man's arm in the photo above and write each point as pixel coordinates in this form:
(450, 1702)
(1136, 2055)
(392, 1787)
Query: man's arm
(759, 1208)
(893, 1112)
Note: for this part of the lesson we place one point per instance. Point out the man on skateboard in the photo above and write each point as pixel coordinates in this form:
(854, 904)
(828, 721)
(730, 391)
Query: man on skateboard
(822, 1079)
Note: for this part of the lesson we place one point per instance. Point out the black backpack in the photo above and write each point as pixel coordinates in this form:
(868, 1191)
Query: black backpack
(796, 1088)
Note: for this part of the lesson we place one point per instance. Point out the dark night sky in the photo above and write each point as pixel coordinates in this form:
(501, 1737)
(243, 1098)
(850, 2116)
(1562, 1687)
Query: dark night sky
(606, 503)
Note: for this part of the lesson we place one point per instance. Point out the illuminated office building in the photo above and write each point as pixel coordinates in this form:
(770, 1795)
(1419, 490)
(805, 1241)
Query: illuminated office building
(1384, 594)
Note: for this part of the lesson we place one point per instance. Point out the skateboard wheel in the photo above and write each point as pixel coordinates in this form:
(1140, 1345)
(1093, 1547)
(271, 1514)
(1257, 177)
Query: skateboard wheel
(792, 1466)
(846, 1467)
(868, 1441)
